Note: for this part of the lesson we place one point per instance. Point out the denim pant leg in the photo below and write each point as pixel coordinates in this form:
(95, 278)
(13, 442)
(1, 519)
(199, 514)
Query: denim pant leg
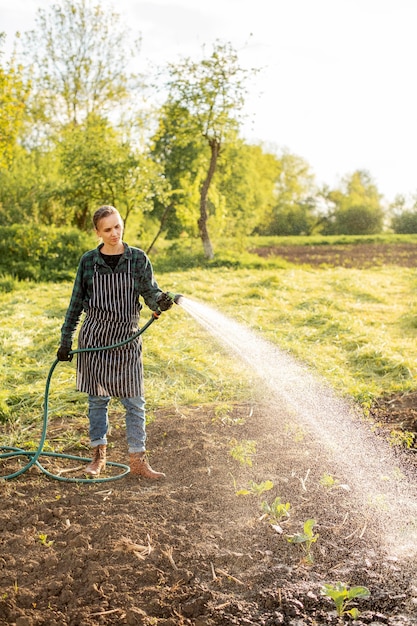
(135, 423)
(99, 419)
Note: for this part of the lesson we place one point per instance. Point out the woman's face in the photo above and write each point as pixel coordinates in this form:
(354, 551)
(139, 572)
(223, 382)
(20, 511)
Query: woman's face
(110, 231)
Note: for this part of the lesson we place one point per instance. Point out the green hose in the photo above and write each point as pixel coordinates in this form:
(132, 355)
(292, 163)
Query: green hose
(33, 456)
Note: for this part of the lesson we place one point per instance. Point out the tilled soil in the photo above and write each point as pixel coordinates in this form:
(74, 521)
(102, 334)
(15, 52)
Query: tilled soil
(361, 255)
(189, 550)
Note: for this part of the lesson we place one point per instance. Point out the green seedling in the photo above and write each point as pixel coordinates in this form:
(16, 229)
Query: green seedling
(243, 451)
(224, 414)
(33, 445)
(306, 540)
(255, 489)
(44, 540)
(295, 432)
(342, 596)
(404, 439)
(277, 511)
(378, 501)
(328, 481)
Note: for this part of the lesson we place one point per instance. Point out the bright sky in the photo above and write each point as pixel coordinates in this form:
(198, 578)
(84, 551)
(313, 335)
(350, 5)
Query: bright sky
(338, 86)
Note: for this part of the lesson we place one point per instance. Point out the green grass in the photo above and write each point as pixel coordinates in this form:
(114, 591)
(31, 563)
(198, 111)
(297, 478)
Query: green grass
(357, 328)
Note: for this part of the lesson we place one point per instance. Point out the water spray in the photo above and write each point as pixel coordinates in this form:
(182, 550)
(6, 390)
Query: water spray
(334, 421)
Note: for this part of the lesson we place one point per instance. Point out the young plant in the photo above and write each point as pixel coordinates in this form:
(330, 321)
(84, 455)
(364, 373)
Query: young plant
(243, 451)
(327, 480)
(306, 540)
(44, 540)
(342, 596)
(255, 489)
(224, 414)
(295, 432)
(276, 511)
(401, 438)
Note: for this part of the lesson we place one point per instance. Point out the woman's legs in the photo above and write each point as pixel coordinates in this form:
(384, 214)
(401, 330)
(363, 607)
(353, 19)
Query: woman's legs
(99, 420)
(135, 423)
(136, 438)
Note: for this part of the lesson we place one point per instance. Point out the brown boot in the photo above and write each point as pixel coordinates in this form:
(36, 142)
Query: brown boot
(98, 462)
(139, 466)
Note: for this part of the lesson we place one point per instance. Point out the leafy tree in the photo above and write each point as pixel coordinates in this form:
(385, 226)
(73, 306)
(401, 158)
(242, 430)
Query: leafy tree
(404, 218)
(293, 209)
(79, 54)
(28, 189)
(182, 156)
(246, 185)
(211, 92)
(13, 94)
(357, 208)
(98, 166)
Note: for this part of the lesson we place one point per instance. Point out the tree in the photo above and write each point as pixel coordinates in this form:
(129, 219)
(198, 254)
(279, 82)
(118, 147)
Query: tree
(357, 208)
(404, 218)
(211, 91)
(28, 189)
(79, 54)
(182, 156)
(13, 94)
(246, 181)
(292, 211)
(99, 166)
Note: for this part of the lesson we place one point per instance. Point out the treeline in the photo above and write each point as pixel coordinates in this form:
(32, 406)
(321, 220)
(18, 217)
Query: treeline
(77, 131)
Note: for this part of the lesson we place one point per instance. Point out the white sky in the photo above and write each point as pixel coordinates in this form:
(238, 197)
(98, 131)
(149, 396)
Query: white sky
(338, 86)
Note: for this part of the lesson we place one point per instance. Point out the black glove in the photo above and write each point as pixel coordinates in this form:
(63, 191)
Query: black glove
(63, 354)
(165, 302)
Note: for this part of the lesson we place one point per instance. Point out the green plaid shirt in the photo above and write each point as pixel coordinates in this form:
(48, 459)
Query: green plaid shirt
(145, 284)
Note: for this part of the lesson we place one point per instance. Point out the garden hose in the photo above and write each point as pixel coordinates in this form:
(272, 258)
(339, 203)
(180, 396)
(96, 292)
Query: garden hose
(33, 456)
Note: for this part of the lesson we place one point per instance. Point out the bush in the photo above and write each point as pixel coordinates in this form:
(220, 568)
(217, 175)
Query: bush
(41, 252)
(7, 283)
(405, 223)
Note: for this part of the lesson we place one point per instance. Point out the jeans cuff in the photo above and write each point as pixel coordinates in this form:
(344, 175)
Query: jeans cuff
(98, 442)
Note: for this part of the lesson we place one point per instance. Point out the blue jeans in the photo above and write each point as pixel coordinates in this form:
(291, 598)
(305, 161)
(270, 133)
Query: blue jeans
(135, 421)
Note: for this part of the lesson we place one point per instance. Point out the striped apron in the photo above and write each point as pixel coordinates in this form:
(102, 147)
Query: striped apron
(112, 317)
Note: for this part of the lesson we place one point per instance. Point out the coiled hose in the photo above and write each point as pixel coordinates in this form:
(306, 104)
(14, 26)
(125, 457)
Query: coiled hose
(34, 456)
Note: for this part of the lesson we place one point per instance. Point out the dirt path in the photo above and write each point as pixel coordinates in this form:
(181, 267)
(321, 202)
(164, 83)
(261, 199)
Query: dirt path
(189, 550)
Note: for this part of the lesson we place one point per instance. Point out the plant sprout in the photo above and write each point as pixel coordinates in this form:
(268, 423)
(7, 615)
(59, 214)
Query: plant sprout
(305, 539)
(243, 451)
(43, 538)
(255, 489)
(276, 511)
(342, 596)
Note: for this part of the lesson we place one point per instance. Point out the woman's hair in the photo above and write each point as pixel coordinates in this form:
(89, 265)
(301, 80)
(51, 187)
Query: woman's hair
(103, 211)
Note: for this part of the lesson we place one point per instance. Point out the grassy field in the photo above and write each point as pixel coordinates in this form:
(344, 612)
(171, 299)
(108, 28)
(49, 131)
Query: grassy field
(357, 328)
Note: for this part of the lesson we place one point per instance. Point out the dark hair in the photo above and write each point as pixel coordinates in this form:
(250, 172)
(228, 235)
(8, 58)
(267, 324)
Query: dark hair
(103, 211)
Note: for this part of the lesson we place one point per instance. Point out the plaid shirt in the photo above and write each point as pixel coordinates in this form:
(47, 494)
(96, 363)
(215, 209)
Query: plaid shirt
(145, 284)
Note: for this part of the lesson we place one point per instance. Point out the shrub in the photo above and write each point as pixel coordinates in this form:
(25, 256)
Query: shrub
(40, 252)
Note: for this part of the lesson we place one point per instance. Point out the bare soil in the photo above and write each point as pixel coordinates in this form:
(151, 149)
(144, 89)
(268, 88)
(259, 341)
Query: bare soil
(188, 550)
(360, 255)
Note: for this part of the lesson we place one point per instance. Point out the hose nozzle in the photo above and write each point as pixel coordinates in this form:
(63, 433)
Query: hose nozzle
(175, 297)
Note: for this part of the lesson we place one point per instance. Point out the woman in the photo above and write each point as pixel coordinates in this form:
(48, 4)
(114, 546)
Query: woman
(107, 287)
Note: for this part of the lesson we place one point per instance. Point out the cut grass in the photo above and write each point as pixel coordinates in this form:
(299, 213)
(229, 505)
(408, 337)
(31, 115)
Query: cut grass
(356, 328)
